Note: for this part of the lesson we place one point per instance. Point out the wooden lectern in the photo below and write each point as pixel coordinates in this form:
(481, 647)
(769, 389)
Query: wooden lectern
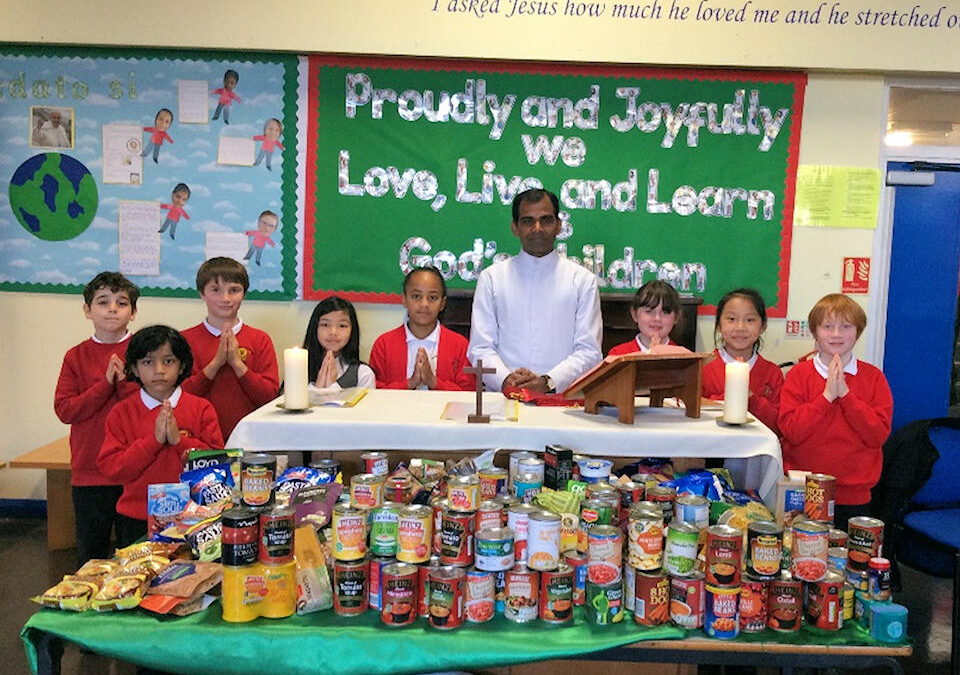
(617, 378)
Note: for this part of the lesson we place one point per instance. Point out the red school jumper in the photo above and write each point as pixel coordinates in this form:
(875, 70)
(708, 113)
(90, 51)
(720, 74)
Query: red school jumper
(388, 358)
(844, 438)
(766, 381)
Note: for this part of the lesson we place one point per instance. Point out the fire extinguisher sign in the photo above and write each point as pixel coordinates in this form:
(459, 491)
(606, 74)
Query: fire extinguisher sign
(856, 275)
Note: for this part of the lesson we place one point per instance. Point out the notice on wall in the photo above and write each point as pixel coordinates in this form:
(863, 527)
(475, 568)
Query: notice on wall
(837, 196)
(122, 163)
(139, 240)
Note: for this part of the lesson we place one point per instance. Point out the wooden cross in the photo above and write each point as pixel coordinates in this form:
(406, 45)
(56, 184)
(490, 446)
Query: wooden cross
(479, 371)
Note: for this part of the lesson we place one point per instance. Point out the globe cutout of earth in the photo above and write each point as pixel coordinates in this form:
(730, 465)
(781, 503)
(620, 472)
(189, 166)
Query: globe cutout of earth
(53, 196)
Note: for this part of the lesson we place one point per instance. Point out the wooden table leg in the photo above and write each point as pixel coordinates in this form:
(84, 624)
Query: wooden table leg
(61, 520)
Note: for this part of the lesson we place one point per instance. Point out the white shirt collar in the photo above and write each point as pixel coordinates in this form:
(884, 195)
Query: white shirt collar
(644, 349)
(433, 338)
(101, 342)
(729, 359)
(548, 259)
(824, 368)
(216, 331)
(152, 403)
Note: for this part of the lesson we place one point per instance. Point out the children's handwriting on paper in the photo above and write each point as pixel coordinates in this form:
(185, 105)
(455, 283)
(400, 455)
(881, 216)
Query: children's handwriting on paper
(22, 85)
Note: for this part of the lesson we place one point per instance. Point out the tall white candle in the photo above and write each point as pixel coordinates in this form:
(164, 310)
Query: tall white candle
(295, 378)
(736, 391)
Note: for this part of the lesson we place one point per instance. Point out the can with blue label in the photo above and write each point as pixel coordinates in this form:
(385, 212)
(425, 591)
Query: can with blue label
(722, 612)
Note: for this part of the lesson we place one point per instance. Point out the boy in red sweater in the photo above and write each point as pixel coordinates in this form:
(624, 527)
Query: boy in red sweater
(234, 365)
(835, 410)
(91, 382)
(147, 436)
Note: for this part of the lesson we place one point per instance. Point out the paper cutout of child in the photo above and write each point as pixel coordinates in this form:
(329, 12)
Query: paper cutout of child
(266, 225)
(226, 94)
(158, 133)
(271, 140)
(179, 197)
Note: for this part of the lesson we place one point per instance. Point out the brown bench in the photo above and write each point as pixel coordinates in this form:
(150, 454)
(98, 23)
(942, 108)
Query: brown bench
(54, 458)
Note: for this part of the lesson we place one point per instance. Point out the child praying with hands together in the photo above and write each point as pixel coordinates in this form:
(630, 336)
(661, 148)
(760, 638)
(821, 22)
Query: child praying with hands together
(333, 347)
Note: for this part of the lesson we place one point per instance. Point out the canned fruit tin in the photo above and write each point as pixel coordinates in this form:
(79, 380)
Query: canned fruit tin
(645, 539)
(349, 532)
(753, 605)
(818, 502)
(464, 493)
(414, 533)
(522, 590)
(578, 561)
(493, 549)
(375, 463)
(258, 473)
(864, 541)
(366, 491)
(276, 536)
(721, 616)
(604, 554)
(784, 604)
(764, 549)
(687, 600)
(808, 559)
(556, 595)
(604, 603)
(350, 590)
(399, 595)
(680, 552)
(456, 538)
(384, 527)
(722, 555)
(543, 541)
(480, 596)
(823, 602)
(652, 604)
(493, 481)
(445, 591)
(693, 509)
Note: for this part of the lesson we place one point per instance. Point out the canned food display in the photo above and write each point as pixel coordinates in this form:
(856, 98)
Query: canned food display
(808, 558)
(604, 554)
(445, 593)
(652, 598)
(556, 595)
(722, 555)
(721, 616)
(687, 600)
(543, 541)
(818, 502)
(399, 594)
(522, 591)
(479, 596)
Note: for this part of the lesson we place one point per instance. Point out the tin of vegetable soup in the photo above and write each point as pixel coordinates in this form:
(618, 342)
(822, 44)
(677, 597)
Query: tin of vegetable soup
(652, 604)
(764, 549)
(604, 603)
(818, 502)
(456, 538)
(556, 594)
(865, 541)
(399, 597)
(823, 603)
(753, 605)
(350, 593)
(522, 590)
(722, 554)
(446, 597)
(687, 600)
(543, 541)
(721, 617)
(464, 493)
(692, 509)
(645, 538)
(493, 549)
(680, 552)
(808, 559)
(604, 554)
(578, 561)
(784, 603)
(489, 514)
(480, 596)
(349, 532)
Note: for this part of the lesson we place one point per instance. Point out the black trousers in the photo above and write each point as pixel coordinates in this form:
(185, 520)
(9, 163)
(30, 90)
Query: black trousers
(129, 530)
(95, 509)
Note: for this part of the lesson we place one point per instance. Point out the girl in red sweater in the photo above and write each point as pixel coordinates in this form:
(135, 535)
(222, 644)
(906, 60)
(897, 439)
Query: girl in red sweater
(835, 410)
(741, 320)
(147, 436)
(656, 310)
(422, 354)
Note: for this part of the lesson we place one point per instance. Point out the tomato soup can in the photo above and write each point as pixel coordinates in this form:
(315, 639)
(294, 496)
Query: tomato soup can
(865, 541)
(375, 463)
(258, 474)
(543, 541)
(556, 595)
(349, 532)
(493, 549)
(693, 509)
(384, 529)
(664, 497)
(818, 502)
(480, 596)
(604, 603)
(652, 604)
(446, 597)
(399, 596)
(489, 515)
(823, 603)
(240, 536)
(722, 555)
(578, 561)
(375, 580)
(456, 538)
(680, 551)
(808, 557)
(687, 600)
(414, 533)
(397, 489)
(753, 605)
(438, 505)
(645, 538)
(493, 481)
(518, 518)
(366, 491)
(605, 554)
(423, 585)
(276, 536)
(464, 493)
(522, 591)
(350, 589)
(784, 604)
(721, 614)
(764, 549)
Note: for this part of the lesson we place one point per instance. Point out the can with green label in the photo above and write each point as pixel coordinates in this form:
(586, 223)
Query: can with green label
(384, 528)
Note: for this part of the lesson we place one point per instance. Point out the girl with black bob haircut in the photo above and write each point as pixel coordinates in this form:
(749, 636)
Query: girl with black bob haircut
(151, 338)
(332, 342)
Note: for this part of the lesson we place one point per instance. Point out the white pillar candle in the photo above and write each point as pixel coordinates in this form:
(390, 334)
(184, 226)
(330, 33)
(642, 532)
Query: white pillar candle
(736, 391)
(295, 378)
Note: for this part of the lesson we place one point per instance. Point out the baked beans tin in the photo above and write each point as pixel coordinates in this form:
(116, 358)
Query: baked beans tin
(865, 541)
(753, 605)
(722, 555)
(526, 486)
(522, 590)
(837, 538)
(349, 532)
(493, 481)
(604, 554)
(680, 551)
(375, 580)
(375, 463)
(438, 505)
(276, 536)
(384, 528)
(692, 509)
(664, 496)
(543, 541)
(808, 558)
(456, 538)
(350, 591)
(366, 491)
(556, 595)
(446, 597)
(423, 585)
(764, 549)
(464, 493)
(652, 604)
(480, 596)
(645, 538)
(604, 603)
(398, 489)
(240, 536)
(414, 533)
(518, 518)
(329, 469)
(399, 604)
(823, 602)
(784, 603)
(818, 502)
(721, 614)
(493, 549)
(489, 514)
(837, 559)
(687, 600)
(878, 579)
(578, 561)
(258, 473)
